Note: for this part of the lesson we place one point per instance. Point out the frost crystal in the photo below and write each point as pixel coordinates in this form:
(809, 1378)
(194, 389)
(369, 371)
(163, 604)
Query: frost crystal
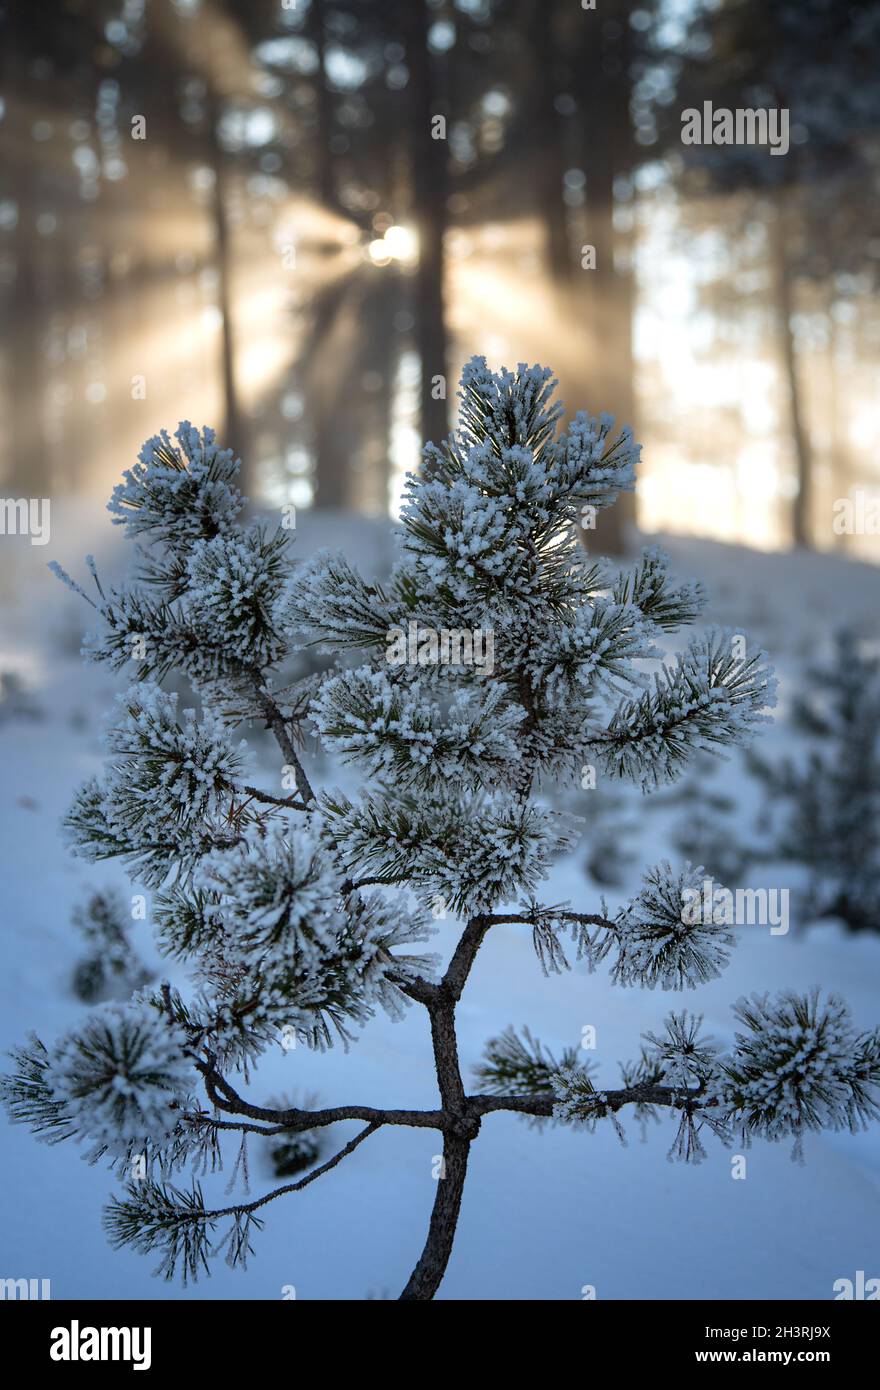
(662, 941)
(122, 1077)
(799, 1065)
(235, 583)
(179, 492)
(296, 948)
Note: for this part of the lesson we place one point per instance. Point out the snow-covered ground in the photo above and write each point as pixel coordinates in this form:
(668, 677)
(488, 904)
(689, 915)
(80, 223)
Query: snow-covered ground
(545, 1213)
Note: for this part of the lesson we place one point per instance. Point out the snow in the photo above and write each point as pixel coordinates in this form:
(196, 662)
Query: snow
(544, 1213)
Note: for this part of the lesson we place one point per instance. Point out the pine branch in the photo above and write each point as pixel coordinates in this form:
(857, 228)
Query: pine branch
(710, 699)
(541, 1106)
(226, 1098)
(276, 722)
(649, 589)
(248, 1208)
(288, 803)
(520, 1065)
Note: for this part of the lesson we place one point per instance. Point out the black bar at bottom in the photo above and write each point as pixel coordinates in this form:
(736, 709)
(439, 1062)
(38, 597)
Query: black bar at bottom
(261, 1337)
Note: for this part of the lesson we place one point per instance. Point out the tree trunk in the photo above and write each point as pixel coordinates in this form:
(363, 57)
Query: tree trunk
(427, 1276)
(607, 293)
(429, 186)
(233, 436)
(331, 375)
(801, 524)
(326, 181)
(841, 463)
(464, 1128)
(30, 468)
(28, 465)
(551, 163)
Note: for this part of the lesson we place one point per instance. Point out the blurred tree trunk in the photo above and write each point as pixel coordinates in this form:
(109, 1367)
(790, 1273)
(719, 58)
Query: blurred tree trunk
(428, 174)
(327, 360)
(384, 415)
(378, 355)
(550, 139)
(234, 434)
(607, 293)
(333, 477)
(29, 452)
(326, 178)
(29, 468)
(784, 306)
(841, 462)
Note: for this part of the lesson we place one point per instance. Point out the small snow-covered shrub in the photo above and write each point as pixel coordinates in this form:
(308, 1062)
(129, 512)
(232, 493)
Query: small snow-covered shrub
(287, 903)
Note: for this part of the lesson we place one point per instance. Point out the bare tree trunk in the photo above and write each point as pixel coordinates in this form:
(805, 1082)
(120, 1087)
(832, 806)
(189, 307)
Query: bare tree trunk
(332, 375)
(234, 427)
(29, 451)
(429, 184)
(841, 463)
(608, 292)
(428, 1274)
(315, 22)
(233, 432)
(29, 468)
(462, 1125)
(801, 508)
(550, 142)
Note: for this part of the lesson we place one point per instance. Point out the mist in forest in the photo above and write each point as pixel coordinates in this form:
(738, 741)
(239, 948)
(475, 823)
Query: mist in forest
(294, 221)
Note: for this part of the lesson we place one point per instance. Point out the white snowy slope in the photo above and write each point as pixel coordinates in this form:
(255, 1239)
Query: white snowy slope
(545, 1213)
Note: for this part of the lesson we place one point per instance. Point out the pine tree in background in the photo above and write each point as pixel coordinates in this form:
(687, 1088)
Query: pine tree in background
(111, 963)
(286, 904)
(299, 1149)
(830, 802)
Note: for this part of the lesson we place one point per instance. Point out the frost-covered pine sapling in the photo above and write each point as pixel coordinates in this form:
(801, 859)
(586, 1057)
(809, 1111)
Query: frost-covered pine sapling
(289, 905)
